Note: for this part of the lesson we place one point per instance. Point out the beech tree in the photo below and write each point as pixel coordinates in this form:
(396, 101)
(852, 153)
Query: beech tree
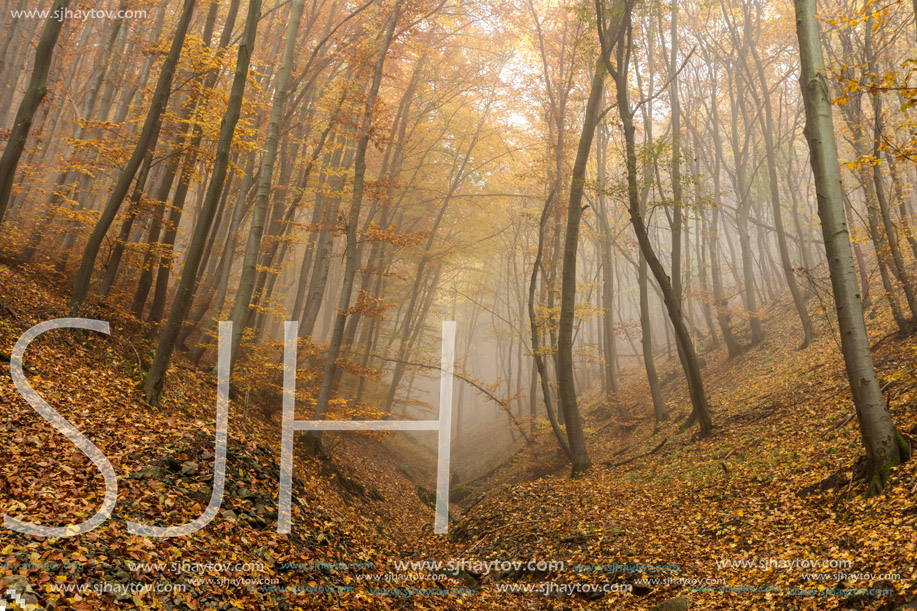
(44, 53)
(145, 143)
(885, 447)
(155, 377)
(396, 164)
(350, 254)
(609, 32)
(686, 351)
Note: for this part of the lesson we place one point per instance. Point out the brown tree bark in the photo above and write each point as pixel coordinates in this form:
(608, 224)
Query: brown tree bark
(686, 350)
(885, 448)
(145, 142)
(155, 378)
(34, 94)
(313, 438)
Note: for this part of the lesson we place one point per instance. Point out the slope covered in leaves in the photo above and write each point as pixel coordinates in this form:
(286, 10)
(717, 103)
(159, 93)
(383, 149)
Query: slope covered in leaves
(764, 514)
(164, 463)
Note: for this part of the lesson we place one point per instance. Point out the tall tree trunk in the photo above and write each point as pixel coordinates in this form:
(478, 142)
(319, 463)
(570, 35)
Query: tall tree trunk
(10, 63)
(223, 271)
(36, 91)
(700, 251)
(313, 438)
(901, 272)
(808, 333)
(321, 254)
(146, 142)
(902, 193)
(537, 354)
(677, 187)
(894, 248)
(720, 301)
(607, 320)
(686, 350)
(802, 232)
(885, 448)
(660, 412)
(646, 321)
(155, 378)
(66, 176)
(743, 211)
(256, 231)
(176, 211)
(565, 380)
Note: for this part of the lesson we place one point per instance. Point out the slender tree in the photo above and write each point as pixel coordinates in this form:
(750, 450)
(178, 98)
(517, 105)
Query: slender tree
(686, 352)
(147, 141)
(885, 448)
(155, 378)
(608, 36)
(256, 231)
(313, 438)
(536, 334)
(34, 94)
(808, 332)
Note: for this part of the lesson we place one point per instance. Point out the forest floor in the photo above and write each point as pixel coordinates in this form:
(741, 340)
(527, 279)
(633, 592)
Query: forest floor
(763, 514)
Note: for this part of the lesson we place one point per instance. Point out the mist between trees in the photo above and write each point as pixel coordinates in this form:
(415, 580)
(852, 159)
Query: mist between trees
(587, 188)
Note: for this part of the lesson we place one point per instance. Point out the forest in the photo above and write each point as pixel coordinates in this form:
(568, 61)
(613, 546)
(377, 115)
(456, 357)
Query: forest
(451, 304)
